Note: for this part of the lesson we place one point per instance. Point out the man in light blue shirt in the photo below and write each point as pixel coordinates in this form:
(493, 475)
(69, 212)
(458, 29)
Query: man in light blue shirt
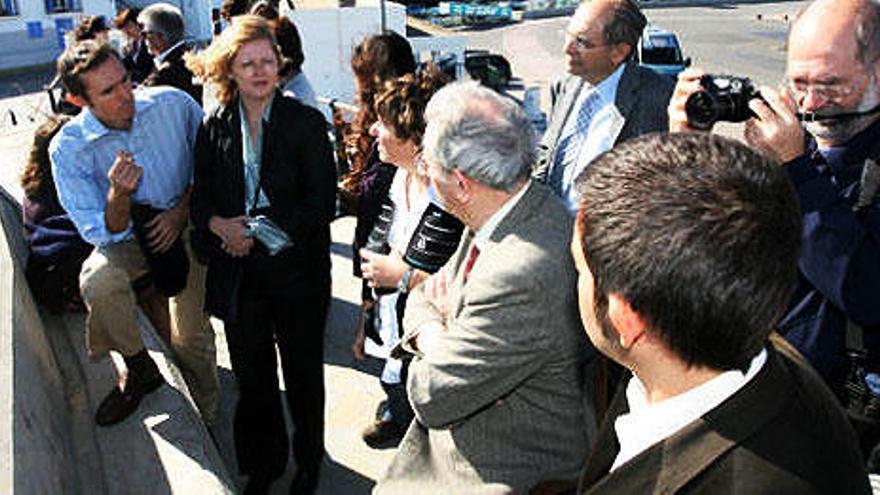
(126, 151)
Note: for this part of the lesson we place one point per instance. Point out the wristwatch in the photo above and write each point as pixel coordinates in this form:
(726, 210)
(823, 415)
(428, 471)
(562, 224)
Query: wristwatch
(403, 286)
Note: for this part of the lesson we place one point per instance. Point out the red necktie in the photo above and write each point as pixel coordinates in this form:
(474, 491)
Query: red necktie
(472, 258)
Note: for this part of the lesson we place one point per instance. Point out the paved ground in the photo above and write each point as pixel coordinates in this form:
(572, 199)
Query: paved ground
(727, 39)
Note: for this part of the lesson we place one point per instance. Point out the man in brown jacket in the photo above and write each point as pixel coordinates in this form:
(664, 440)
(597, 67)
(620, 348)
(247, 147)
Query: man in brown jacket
(686, 247)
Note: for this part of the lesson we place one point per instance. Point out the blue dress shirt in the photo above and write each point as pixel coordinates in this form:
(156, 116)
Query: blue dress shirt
(161, 141)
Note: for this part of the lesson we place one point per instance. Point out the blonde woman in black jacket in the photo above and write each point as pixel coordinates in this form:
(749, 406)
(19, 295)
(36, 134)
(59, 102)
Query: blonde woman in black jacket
(263, 199)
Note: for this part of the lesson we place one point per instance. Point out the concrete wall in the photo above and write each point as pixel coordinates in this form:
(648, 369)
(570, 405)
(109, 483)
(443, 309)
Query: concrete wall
(19, 48)
(35, 423)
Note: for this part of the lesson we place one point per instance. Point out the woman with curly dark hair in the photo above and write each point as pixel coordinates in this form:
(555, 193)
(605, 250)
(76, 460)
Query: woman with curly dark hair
(377, 59)
(398, 131)
(374, 61)
(56, 249)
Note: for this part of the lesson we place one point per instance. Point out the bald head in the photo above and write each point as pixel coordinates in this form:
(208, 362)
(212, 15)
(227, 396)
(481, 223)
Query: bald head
(832, 56)
(622, 20)
(840, 24)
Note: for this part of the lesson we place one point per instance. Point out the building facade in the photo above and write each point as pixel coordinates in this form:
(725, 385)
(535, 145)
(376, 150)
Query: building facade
(32, 31)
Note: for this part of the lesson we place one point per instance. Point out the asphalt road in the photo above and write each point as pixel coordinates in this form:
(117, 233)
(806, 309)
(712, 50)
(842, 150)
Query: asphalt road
(727, 38)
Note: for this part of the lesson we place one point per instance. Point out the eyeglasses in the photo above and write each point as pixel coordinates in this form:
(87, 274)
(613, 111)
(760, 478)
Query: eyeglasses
(251, 67)
(826, 91)
(580, 42)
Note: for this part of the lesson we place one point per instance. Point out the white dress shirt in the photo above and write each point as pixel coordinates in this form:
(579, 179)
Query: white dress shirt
(647, 424)
(603, 130)
(162, 56)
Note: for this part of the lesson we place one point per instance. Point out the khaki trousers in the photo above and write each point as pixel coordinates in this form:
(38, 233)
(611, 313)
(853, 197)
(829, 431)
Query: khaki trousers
(105, 282)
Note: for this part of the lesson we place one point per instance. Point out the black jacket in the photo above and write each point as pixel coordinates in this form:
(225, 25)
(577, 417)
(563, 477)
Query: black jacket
(298, 177)
(173, 72)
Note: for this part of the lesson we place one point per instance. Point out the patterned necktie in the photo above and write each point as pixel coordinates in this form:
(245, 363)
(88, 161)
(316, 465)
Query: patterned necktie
(469, 264)
(570, 144)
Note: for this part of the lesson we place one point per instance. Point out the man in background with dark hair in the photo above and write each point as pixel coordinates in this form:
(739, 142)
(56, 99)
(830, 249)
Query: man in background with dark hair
(686, 247)
(163, 31)
(606, 97)
(824, 128)
(126, 151)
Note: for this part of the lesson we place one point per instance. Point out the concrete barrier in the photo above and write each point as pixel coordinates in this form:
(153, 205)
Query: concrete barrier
(37, 424)
(49, 389)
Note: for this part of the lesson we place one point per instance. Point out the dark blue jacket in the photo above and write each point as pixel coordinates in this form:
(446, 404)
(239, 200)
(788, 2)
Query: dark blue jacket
(839, 267)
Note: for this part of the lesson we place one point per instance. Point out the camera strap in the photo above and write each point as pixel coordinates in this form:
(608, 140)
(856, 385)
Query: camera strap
(813, 117)
(868, 186)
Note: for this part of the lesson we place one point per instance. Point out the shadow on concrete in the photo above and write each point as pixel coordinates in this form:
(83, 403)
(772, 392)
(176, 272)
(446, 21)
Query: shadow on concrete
(339, 335)
(345, 480)
(335, 477)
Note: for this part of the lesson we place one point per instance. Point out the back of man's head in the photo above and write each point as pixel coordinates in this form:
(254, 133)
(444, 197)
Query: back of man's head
(700, 235)
(484, 135)
(625, 23)
(164, 19)
(78, 59)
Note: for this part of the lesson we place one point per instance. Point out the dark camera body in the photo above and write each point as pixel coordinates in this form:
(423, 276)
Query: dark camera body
(723, 98)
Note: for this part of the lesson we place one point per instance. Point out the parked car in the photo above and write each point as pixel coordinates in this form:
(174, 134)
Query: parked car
(660, 51)
(491, 69)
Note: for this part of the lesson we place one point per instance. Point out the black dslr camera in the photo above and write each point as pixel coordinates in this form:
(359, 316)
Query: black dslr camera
(723, 98)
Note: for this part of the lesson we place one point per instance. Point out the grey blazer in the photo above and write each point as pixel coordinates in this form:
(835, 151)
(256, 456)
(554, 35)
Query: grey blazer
(500, 400)
(642, 98)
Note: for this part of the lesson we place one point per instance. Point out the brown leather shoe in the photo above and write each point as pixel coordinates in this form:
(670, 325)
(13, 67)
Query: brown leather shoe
(120, 403)
(382, 434)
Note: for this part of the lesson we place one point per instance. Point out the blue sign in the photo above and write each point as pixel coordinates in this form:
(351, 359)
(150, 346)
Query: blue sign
(35, 29)
(62, 26)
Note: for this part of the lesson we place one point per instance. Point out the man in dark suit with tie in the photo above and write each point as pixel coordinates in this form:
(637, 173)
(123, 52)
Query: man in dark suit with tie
(686, 247)
(497, 382)
(606, 97)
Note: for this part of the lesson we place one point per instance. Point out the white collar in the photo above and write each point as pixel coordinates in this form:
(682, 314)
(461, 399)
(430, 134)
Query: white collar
(162, 56)
(607, 88)
(485, 231)
(647, 424)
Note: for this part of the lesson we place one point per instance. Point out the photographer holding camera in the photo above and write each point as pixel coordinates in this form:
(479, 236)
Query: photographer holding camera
(824, 127)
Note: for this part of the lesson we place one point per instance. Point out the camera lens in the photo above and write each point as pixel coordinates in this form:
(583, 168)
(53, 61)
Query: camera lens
(702, 110)
(435, 239)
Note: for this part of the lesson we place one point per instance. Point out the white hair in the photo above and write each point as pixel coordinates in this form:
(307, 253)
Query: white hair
(484, 135)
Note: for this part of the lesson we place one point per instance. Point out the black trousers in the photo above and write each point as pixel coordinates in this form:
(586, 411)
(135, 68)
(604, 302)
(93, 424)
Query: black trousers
(292, 315)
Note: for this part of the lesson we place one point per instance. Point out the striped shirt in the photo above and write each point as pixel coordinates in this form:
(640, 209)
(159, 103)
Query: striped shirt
(161, 141)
